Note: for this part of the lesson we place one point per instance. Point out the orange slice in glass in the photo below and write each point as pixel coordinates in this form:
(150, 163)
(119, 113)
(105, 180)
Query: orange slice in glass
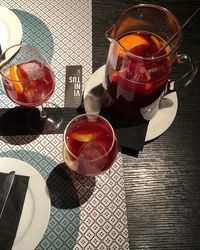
(7, 74)
(8, 82)
(15, 78)
(84, 137)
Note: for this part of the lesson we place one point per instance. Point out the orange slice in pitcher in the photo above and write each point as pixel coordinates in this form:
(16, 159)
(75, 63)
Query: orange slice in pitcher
(130, 41)
(84, 137)
(15, 78)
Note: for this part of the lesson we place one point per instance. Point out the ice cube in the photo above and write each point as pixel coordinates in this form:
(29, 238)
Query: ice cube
(93, 156)
(34, 93)
(32, 69)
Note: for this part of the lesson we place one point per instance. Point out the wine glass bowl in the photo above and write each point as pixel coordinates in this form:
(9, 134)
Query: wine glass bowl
(27, 78)
(90, 145)
(29, 81)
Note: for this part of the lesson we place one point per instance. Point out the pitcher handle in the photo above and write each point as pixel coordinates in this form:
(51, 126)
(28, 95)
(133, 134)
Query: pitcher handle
(185, 79)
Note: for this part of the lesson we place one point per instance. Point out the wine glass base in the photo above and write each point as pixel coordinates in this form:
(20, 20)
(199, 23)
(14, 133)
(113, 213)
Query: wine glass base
(45, 119)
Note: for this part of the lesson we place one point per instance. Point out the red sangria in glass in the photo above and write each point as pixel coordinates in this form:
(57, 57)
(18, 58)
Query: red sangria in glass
(29, 81)
(90, 146)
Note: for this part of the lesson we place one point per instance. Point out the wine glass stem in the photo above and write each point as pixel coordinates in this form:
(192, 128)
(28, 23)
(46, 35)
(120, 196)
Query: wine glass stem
(43, 114)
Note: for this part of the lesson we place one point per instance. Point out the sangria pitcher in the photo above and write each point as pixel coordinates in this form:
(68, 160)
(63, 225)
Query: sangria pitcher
(137, 70)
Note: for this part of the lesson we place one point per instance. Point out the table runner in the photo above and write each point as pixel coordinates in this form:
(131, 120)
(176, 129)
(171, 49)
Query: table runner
(63, 31)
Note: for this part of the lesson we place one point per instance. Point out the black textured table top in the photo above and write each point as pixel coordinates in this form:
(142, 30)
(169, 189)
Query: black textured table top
(163, 183)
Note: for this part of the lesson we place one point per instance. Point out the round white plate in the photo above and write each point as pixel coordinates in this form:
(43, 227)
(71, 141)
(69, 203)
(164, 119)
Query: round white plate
(158, 125)
(10, 29)
(163, 118)
(36, 210)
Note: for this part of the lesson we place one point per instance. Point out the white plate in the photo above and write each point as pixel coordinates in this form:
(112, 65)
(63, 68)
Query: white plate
(10, 29)
(36, 210)
(162, 119)
(158, 125)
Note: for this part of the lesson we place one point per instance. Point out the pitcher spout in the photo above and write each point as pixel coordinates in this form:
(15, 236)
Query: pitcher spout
(110, 33)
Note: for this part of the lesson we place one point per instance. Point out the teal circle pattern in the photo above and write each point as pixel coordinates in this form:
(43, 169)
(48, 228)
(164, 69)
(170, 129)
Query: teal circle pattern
(36, 32)
(63, 226)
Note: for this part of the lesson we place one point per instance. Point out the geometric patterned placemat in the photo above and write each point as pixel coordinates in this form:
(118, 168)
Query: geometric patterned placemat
(63, 32)
(87, 212)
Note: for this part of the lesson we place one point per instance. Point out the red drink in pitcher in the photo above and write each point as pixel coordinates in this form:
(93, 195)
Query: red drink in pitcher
(134, 79)
(90, 146)
(29, 83)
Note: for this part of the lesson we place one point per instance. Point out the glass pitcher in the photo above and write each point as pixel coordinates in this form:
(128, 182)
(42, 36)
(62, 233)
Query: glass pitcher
(137, 71)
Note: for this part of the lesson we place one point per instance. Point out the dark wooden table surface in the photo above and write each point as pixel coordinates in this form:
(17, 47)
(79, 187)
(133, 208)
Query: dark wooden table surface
(163, 184)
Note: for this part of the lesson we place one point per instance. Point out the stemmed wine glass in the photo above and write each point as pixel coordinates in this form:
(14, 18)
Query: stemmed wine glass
(29, 81)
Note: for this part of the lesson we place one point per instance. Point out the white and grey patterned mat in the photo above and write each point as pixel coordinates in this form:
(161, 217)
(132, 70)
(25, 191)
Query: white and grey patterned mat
(87, 212)
(63, 32)
(96, 216)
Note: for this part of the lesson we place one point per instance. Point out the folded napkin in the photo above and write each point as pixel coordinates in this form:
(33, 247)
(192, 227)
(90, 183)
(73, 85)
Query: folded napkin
(10, 218)
(131, 138)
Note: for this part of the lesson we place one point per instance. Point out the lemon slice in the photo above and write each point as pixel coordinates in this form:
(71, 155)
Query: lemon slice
(16, 81)
(86, 137)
